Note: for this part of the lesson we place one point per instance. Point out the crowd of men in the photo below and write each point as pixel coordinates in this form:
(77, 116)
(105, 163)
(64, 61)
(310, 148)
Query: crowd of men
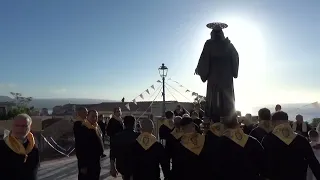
(188, 149)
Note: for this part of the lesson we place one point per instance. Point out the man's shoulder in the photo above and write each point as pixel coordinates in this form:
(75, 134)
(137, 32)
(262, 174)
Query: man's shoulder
(254, 141)
(77, 123)
(158, 145)
(301, 139)
(267, 138)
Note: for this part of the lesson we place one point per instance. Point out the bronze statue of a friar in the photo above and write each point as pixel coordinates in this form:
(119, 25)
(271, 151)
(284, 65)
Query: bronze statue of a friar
(218, 64)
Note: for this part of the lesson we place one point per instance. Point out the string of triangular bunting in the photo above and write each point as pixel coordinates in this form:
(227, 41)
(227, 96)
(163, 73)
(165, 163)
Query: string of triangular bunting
(134, 101)
(200, 97)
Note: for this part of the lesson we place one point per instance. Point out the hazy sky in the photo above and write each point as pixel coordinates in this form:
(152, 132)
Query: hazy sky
(110, 49)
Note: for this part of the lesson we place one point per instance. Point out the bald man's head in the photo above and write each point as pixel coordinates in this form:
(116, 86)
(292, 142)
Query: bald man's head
(82, 112)
(147, 125)
(21, 126)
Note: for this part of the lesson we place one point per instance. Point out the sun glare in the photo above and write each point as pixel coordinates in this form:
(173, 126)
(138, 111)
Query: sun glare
(247, 37)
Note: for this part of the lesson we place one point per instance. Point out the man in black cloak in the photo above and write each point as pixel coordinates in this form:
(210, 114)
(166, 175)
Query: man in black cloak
(218, 64)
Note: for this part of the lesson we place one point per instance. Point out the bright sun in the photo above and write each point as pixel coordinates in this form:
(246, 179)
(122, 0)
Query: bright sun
(248, 39)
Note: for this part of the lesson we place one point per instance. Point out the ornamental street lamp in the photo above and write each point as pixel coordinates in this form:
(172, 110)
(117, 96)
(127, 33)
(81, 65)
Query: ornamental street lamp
(163, 70)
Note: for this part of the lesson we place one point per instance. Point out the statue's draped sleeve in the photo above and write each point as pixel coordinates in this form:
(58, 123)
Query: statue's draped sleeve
(235, 60)
(203, 67)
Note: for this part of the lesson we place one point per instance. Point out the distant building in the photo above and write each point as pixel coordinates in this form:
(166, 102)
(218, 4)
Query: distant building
(44, 112)
(5, 107)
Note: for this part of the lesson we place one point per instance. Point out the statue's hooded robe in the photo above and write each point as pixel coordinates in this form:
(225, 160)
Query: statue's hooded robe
(218, 64)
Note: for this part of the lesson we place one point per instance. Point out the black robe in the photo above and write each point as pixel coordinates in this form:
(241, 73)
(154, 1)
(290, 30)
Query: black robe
(212, 137)
(146, 166)
(102, 126)
(164, 132)
(236, 162)
(113, 127)
(289, 161)
(170, 148)
(13, 167)
(190, 166)
(218, 64)
(299, 129)
(248, 128)
(119, 149)
(258, 133)
(89, 148)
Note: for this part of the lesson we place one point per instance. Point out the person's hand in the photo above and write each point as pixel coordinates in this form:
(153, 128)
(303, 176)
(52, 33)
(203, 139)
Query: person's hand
(113, 172)
(83, 170)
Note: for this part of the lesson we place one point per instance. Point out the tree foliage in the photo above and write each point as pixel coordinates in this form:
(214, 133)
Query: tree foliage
(19, 100)
(21, 105)
(315, 122)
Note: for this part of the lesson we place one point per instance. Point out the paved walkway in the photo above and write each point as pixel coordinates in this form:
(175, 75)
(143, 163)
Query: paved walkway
(66, 169)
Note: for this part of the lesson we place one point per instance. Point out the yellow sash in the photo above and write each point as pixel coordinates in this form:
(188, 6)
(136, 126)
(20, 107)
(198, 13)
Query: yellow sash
(146, 140)
(237, 136)
(16, 146)
(79, 119)
(285, 133)
(216, 129)
(96, 127)
(177, 133)
(168, 123)
(194, 142)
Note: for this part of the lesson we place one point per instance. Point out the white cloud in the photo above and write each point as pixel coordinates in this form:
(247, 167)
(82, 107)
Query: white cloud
(58, 91)
(9, 85)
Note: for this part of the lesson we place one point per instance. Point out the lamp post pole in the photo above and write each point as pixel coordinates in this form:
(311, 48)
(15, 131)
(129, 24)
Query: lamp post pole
(163, 73)
(163, 97)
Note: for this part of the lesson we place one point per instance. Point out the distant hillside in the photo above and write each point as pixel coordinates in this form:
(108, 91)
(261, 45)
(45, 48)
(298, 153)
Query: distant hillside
(5, 98)
(308, 111)
(50, 103)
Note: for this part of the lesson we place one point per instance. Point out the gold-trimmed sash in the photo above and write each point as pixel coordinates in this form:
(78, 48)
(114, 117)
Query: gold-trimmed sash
(194, 142)
(79, 119)
(217, 129)
(16, 146)
(177, 133)
(285, 133)
(95, 127)
(237, 136)
(146, 140)
(168, 123)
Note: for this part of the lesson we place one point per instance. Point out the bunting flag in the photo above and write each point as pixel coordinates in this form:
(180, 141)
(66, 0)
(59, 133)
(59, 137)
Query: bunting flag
(159, 81)
(141, 96)
(128, 106)
(187, 90)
